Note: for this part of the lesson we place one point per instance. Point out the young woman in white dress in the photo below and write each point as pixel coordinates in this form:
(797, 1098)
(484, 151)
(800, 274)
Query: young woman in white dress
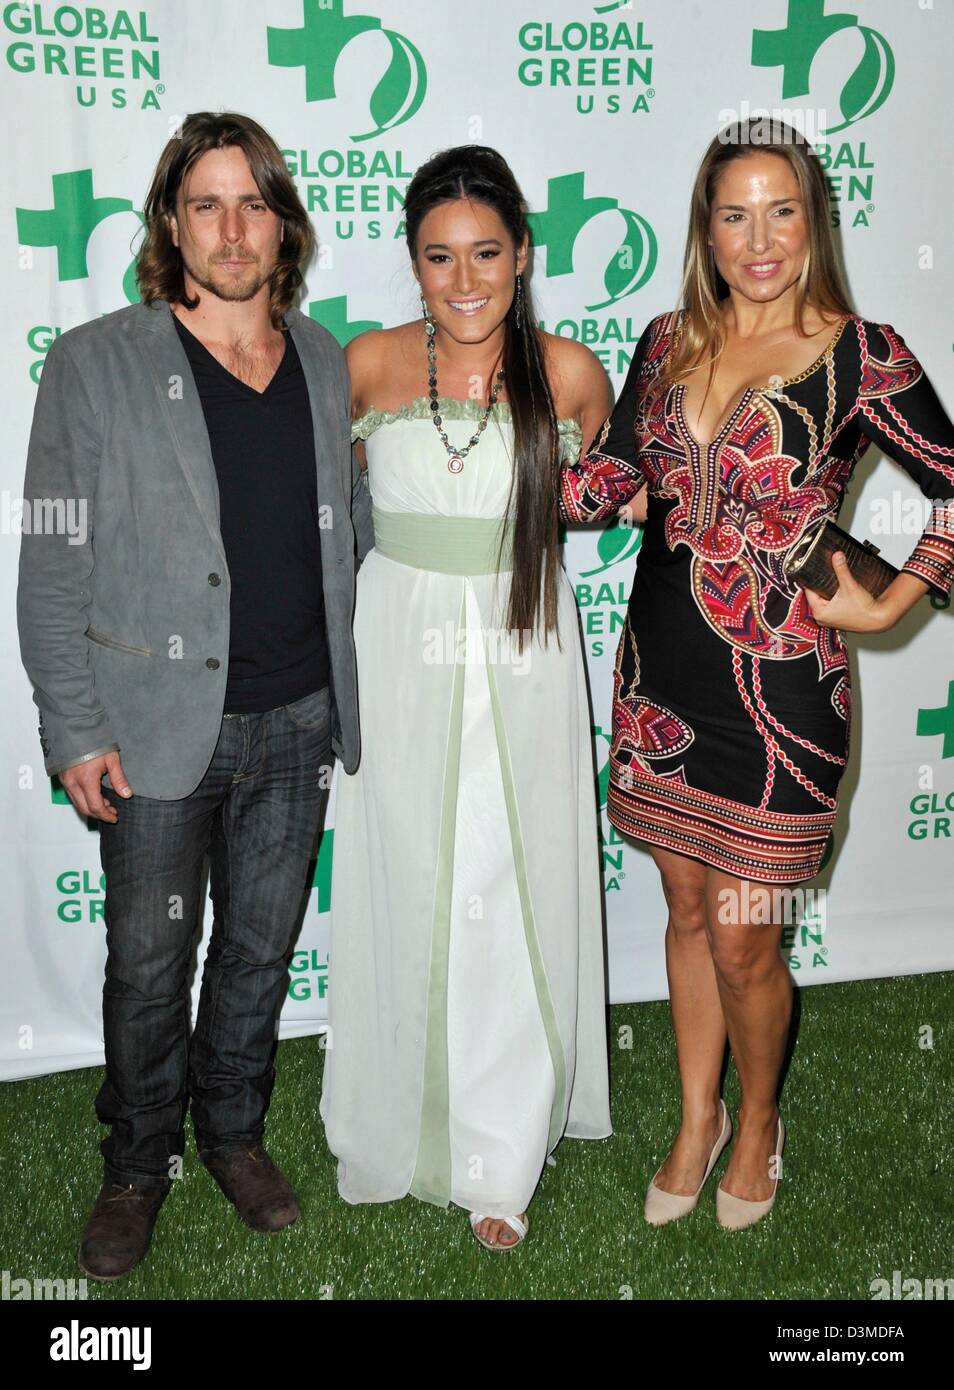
(467, 997)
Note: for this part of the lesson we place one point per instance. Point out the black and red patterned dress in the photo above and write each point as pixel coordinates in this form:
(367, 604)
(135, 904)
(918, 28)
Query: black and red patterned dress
(732, 706)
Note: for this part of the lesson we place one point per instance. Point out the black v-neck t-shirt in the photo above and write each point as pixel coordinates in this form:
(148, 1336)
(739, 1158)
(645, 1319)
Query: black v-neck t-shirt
(263, 448)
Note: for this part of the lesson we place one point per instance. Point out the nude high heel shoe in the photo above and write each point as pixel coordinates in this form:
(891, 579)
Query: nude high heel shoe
(735, 1213)
(662, 1206)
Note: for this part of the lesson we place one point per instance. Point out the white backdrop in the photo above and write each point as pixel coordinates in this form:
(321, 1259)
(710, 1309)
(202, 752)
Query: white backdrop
(603, 111)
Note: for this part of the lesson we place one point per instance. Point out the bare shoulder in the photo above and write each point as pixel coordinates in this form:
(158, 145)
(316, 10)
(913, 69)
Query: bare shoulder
(577, 376)
(363, 356)
(374, 359)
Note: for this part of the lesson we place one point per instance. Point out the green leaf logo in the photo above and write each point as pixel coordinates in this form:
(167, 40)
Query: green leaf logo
(569, 209)
(870, 83)
(807, 29)
(633, 263)
(401, 90)
(616, 543)
(317, 45)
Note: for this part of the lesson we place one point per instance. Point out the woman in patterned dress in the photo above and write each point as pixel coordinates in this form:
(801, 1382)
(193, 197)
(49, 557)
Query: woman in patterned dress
(743, 415)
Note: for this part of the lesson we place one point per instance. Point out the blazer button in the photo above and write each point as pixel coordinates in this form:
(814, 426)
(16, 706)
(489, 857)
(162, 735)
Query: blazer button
(212, 663)
(214, 580)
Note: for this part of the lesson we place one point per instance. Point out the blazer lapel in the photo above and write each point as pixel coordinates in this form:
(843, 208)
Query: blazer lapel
(323, 419)
(182, 410)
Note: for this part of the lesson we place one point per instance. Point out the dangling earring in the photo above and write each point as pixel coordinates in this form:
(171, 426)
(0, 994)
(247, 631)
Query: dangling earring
(518, 303)
(429, 325)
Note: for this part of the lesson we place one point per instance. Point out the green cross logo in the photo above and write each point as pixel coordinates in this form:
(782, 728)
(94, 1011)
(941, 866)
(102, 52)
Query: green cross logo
(324, 35)
(568, 210)
(59, 797)
(58, 793)
(70, 222)
(333, 315)
(794, 48)
(321, 878)
(932, 722)
(602, 779)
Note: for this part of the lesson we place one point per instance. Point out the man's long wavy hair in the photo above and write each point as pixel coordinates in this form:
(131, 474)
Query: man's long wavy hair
(159, 269)
(482, 174)
(701, 336)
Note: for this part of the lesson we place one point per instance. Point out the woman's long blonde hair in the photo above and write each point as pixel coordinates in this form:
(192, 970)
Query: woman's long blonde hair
(701, 336)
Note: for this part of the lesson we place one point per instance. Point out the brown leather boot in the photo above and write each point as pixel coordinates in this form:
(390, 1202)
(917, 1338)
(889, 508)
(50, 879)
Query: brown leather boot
(119, 1229)
(259, 1189)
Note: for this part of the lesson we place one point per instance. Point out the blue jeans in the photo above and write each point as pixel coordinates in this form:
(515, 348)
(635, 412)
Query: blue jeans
(256, 814)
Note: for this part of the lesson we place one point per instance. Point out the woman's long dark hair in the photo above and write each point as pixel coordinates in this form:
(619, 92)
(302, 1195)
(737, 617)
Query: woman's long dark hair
(159, 265)
(482, 174)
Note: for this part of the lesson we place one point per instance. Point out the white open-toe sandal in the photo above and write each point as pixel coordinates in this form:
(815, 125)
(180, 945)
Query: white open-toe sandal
(519, 1227)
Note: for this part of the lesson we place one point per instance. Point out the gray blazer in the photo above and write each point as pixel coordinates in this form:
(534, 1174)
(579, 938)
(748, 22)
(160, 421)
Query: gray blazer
(125, 634)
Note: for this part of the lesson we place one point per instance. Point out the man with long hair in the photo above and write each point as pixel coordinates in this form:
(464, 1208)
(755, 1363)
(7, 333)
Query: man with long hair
(194, 655)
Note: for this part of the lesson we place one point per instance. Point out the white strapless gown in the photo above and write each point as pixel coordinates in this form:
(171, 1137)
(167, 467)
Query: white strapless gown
(467, 1003)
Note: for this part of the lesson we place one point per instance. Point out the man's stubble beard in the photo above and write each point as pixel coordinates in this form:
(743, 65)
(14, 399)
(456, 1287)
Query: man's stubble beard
(233, 291)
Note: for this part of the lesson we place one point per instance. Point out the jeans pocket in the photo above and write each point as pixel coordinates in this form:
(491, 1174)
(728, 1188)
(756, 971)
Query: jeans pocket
(311, 710)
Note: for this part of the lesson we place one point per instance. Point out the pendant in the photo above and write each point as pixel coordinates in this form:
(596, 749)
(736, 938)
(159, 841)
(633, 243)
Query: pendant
(455, 464)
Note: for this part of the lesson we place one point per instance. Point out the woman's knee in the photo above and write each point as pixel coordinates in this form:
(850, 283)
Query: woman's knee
(744, 957)
(686, 901)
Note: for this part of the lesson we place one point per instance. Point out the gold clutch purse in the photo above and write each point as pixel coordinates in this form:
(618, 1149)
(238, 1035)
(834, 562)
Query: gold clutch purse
(809, 561)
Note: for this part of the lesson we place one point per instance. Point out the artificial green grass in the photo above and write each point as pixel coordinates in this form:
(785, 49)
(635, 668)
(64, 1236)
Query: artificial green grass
(868, 1184)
